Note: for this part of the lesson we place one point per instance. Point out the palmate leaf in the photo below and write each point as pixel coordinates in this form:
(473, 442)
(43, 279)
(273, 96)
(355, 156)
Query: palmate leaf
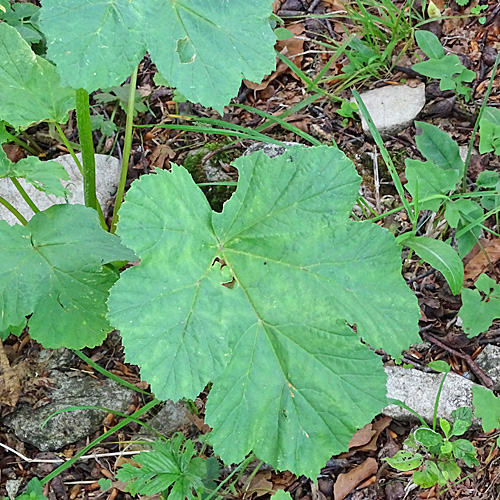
(53, 269)
(292, 381)
(31, 89)
(197, 45)
(169, 465)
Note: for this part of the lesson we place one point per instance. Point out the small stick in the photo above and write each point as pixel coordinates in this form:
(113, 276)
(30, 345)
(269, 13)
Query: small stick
(468, 359)
(60, 460)
(220, 150)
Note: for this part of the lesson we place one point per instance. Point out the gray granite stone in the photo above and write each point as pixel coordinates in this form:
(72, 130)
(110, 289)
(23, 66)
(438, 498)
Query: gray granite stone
(418, 391)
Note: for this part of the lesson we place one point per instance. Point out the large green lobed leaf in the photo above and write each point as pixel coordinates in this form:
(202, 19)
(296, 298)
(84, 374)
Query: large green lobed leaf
(203, 48)
(31, 89)
(258, 300)
(53, 269)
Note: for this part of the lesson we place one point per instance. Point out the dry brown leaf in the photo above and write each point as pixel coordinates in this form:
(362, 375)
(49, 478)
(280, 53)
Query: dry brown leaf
(277, 5)
(378, 427)
(259, 485)
(10, 387)
(347, 482)
(332, 5)
(362, 436)
(161, 155)
(479, 263)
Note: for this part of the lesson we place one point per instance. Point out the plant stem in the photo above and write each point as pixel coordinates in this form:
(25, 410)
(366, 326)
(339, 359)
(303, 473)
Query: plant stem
(126, 149)
(80, 168)
(25, 195)
(21, 143)
(98, 440)
(385, 155)
(13, 210)
(69, 147)
(87, 143)
(240, 467)
(36, 147)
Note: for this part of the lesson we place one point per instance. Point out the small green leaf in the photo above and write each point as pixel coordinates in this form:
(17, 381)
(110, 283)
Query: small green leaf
(347, 109)
(283, 34)
(450, 71)
(428, 437)
(442, 257)
(171, 465)
(53, 269)
(462, 420)
(410, 441)
(430, 44)
(438, 147)
(121, 95)
(433, 10)
(489, 133)
(466, 451)
(487, 407)
(31, 89)
(448, 471)
(446, 448)
(44, 176)
(445, 426)
(105, 483)
(34, 491)
(459, 214)
(478, 313)
(489, 179)
(107, 127)
(426, 179)
(405, 460)
(439, 366)
(428, 476)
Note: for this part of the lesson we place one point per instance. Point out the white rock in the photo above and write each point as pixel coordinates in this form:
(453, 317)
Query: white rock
(107, 177)
(418, 391)
(393, 107)
(489, 361)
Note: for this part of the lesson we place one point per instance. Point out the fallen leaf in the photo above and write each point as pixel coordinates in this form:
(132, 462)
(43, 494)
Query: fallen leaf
(347, 482)
(9, 381)
(377, 427)
(259, 485)
(362, 436)
(333, 6)
(161, 155)
(479, 263)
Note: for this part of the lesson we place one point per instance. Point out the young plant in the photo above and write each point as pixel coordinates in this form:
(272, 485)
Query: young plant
(446, 68)
(170, 468)
(437, 462)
